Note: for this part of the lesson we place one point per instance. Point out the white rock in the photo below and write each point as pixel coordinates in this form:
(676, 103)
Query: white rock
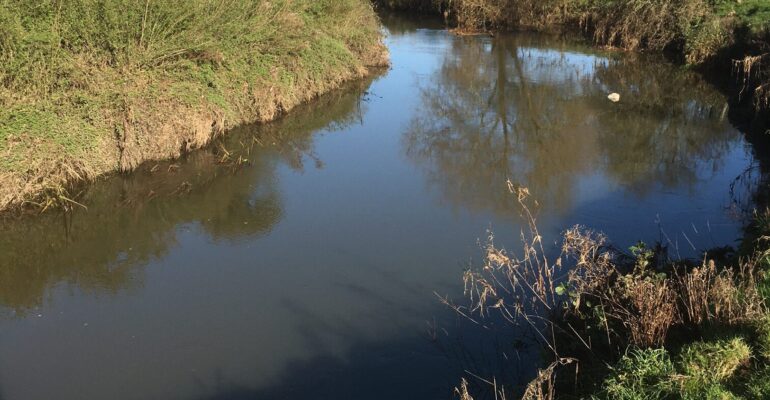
(614, 97)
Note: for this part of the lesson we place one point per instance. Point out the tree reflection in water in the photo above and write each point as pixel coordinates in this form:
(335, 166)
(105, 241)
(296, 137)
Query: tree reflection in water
(517, 109)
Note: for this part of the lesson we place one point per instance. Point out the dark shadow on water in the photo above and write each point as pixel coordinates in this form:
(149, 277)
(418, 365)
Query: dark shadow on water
(424, 367)
(365, 374)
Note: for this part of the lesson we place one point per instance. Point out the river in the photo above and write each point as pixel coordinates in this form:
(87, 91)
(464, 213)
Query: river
(301, 259)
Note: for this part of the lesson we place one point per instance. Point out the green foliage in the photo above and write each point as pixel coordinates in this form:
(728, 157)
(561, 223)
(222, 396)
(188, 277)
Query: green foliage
(643, 255)
(701, 372)
(763, 285)
(640, 375)
(713, 362)
(762, 329)
(711, 391)
(53, 133)
(705, 36)
(757, 236)
(758, 385)
(754, 14)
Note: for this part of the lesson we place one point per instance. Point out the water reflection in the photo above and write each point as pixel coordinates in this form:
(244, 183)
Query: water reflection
(228, 192)
(309, 271)
(534, 110)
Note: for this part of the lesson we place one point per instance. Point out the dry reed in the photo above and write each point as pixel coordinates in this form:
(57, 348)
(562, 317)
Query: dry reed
(635, 302)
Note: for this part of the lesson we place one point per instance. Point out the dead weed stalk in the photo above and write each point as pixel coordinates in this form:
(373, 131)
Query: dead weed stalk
(633, 301)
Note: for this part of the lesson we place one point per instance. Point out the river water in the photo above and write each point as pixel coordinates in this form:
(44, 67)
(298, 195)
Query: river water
(301, 259)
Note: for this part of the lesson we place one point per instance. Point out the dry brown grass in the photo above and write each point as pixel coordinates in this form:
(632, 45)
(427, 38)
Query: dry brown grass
(698, 29)
(646, 308)
(638, 304)
(462, 392)
(478, 14)
(631, 300)
(755, 73)
(634, 24)
(520, 288)
(728, 296)
(642, 305)
(543, 386)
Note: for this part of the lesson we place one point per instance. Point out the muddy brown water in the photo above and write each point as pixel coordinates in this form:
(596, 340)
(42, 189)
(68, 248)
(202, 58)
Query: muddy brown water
(299, 260)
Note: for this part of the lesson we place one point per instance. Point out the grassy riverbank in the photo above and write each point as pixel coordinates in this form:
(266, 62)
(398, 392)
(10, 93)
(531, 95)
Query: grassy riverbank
(729, 36)
(631, 325)
(93, 86)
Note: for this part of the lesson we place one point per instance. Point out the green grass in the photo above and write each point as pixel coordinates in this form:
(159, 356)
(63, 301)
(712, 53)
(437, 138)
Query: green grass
(640, 375)
(754, 14)
(758, 385)
(718, 362)
(762, 329)
(49, 132)
(706, 363)
(703, 370)
(74, 74)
